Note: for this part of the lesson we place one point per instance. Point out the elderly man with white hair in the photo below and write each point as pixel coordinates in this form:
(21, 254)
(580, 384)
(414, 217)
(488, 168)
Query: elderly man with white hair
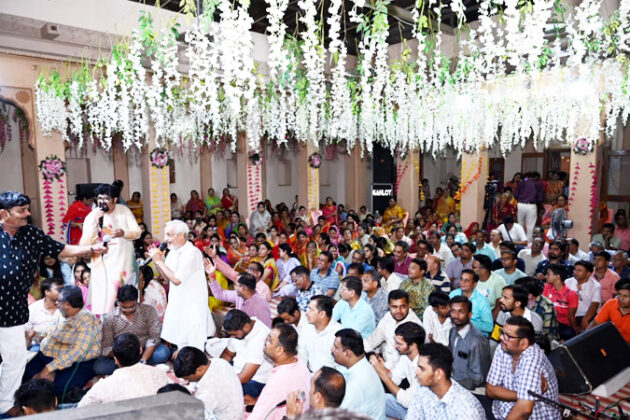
(186, 316)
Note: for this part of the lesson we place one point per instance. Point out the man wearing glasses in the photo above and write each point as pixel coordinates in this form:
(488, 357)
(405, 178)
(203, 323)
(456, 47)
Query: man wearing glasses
(520, 366)
(69, 347)
(135, 318)
(114, 224)
(21, 246)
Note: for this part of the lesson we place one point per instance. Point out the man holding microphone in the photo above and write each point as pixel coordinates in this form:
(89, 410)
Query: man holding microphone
(21, 247)
(186, 320)
(110, 223)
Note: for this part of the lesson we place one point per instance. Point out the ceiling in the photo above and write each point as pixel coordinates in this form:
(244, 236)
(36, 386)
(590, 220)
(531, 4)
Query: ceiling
(399, 17)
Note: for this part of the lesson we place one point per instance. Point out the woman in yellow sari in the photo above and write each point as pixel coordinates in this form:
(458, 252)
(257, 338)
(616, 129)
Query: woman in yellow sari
(393, 215)
(445, 206)
(309, 258)
(270, 275)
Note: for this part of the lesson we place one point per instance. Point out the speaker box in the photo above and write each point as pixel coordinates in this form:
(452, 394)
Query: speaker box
(87, 189)
(590, 359)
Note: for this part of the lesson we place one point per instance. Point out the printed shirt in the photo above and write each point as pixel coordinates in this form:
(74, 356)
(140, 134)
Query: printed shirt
(304, 296)
(545, 309)
(378, 303)
(18, 261)
(563, 300)
(526, 377)
(72, 340)
(457, 403)
(418, 294)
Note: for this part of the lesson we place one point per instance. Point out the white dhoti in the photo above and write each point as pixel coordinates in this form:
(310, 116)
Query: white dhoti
(186, 316)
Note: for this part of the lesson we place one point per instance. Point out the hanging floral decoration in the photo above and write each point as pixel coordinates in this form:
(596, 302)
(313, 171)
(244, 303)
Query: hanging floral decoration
(470, 174)
(315, 160)
(52, 168)
(255, 157)
(159, 158)
(583, 146)
(533, 73)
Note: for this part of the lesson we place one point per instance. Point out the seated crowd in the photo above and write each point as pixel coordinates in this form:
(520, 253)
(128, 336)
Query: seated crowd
(400, 316)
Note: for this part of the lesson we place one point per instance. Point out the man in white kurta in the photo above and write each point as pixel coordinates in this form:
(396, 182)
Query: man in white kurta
(118, 267)
(186, 316)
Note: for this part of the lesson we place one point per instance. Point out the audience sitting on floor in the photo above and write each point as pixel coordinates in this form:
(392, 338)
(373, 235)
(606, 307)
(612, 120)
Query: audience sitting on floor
(395, 322)
(133, 377)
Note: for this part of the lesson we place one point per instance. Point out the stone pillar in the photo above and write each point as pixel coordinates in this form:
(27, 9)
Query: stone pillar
(358, 180)
(205, 171)
(473, 180)
(407, 185)
(156, 187)
(250, 178)
(121, 167)
(308, 186)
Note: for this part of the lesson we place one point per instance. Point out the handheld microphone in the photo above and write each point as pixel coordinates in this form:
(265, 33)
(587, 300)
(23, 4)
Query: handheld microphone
(106, 240)
(105, 208)
(162, 248)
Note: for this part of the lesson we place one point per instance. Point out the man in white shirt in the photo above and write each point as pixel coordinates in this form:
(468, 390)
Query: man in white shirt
(390, 280)
(532, 256)
(187, 313)
(318, 336)
(40, 312)
(409, 337)
(436, 322)
(440, 249)
(217, 387)
(512, 232)
(289, 311)
(513, 302)
(589, 292)
(383, 337)
(132, 379)
(364, 390)
(246, 351)
(575, 253)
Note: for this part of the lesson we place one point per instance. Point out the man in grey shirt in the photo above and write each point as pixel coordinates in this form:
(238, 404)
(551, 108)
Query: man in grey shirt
(470, 348)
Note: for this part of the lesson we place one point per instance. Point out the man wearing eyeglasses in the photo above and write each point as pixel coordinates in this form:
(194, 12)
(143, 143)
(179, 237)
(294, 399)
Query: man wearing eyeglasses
(520, 366)
(135, 318)
(21, 246)
(69, 347)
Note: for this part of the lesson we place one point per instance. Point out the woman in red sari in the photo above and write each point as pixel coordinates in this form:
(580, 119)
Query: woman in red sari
(472, 229)
(229, 201)
(236, 250)
(504, 207)
(75, 217)
(195, 204)
(329, 211)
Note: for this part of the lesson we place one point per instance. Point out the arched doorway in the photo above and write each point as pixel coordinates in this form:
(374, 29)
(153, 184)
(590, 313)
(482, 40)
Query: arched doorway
(17, 152)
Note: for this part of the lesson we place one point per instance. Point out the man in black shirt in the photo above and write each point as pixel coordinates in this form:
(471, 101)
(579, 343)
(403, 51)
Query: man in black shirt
(21, 247)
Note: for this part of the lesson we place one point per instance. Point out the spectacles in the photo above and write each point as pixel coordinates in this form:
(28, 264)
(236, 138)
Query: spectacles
(508, 336)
